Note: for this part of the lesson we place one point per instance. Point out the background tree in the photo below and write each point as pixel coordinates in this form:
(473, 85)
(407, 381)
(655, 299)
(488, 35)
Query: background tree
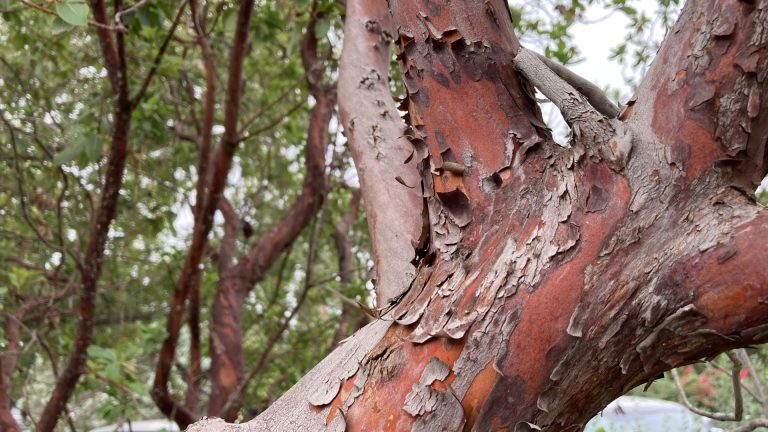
(178, 118)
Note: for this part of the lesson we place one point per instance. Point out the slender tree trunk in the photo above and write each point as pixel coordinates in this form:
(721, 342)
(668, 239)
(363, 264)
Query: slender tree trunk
(552, 280)
(226, 344)
(7, 367)
(209, 190)
(113, 53)
(227, 357)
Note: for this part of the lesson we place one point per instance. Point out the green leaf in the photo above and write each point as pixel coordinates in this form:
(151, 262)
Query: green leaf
(73, 12)
(112, 371)
(96, 351)
(137, 387)
(69, 154)
(321, 27)
(60, 26)
(92, 144)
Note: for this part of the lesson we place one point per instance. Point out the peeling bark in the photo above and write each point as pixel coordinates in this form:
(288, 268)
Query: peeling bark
(549, 281)
(385, 160)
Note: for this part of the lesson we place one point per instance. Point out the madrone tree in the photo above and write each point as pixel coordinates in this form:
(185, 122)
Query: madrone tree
(524, 285)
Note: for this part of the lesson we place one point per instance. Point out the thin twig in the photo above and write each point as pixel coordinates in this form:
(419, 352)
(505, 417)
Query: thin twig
(52, 12)
(738, 401)
(255, 116)
(752, 425)
(160, 53)
(756, 380)
(235, 398)
(22, 192)
(744, 386)
(275, 122)
(119, 15)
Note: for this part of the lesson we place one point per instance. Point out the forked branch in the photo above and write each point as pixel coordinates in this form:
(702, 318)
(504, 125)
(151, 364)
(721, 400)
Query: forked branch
(593, 93)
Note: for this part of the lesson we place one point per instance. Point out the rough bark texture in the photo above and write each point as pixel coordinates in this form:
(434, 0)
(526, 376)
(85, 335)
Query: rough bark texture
(383, 156)
(553, 280)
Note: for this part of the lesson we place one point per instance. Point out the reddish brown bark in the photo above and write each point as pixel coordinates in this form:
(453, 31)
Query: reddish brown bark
(9, 357)
(554, 280)
(191, 400)
(236, 280)
(236, 277)
(209, 189)
(112, 50)
(383, 156)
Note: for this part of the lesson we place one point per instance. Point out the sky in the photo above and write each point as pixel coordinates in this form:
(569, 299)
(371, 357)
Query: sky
(595, 40)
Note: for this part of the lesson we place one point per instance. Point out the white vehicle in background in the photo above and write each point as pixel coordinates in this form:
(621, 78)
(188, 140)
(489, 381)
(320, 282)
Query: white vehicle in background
(16, 414)
(161, 425)
(639, 414)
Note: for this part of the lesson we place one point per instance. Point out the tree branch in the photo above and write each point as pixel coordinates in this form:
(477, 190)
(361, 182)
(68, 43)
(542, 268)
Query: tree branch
(272, 123)
(265, 251)
(45, 10)
(158, 58)
(574, 106)
(194, 374)
(119, 15)
(114, 58)
(231, 228)
(738, 401)
(235, 284)
(235, 398)
(266, 108)
(341, 238)
(752, 425)
(758, 384)
(381, 153)
(590, 130)
(205, 206)
(593, 93)
(346, 262)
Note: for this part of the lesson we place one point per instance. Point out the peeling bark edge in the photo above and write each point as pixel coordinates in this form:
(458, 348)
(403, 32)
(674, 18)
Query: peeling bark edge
(322, 384)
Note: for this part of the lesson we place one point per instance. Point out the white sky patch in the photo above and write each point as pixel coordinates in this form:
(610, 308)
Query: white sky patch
(595, 39)
(182, 224)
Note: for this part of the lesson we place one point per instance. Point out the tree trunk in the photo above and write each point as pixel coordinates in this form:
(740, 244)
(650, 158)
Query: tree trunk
(226, 340)
(548, 281)
(228, 379)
